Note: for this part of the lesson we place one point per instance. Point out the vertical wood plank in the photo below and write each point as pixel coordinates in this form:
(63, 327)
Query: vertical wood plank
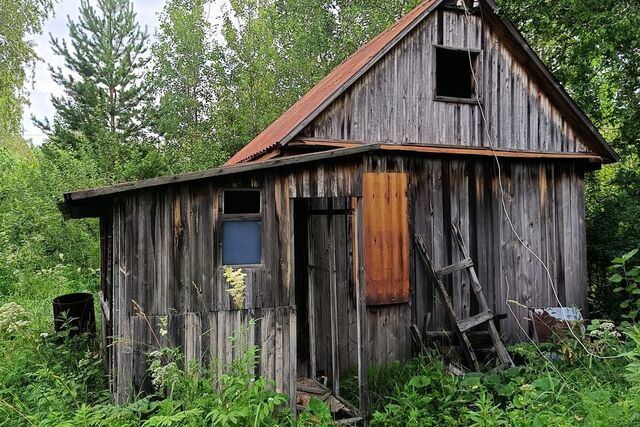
(361, 308)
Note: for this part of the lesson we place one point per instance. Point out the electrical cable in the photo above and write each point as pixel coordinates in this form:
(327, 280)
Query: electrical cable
(508, 217)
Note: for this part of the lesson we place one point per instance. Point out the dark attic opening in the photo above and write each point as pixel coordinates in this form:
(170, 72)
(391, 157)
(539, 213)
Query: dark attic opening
(455, 70)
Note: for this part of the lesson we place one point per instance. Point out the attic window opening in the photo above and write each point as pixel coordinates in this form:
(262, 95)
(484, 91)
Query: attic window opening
(455, 70)
(241, 227)
(241, 202)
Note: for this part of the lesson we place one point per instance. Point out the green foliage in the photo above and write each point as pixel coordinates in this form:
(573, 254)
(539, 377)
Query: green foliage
(20, 19)
(102, 118)
(272, 52)
(102, 79)
(13, 317)
(40, 253)
(43, 377)
(54, 380)
(553, 387)
(182, 79)
(316, 414)
(627, 282)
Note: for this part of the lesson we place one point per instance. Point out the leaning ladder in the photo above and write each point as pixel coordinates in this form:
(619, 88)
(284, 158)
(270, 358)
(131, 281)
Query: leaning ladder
(463, 325)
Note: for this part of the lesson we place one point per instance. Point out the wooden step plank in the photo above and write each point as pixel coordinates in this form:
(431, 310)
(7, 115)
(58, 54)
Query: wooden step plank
(501, 350)
(455, 267)
(426, 262)
(349, 421)
(475, 282)
(468, 323)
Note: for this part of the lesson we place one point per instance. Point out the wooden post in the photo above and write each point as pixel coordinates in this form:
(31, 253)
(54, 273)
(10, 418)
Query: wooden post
(311, 300)
(361, 306)
(293, 313)
(333, 296)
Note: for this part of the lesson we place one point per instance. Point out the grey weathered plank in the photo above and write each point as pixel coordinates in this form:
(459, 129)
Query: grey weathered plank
(361, 309)
(473, 321)
(455, 267)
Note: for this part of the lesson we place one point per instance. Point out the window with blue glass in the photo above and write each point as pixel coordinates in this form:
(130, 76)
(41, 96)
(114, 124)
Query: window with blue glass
(241, 227)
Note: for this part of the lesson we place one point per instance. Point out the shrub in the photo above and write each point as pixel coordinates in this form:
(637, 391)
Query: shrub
(627, 282)
(54, 380)
(565, 383)
(12, 318)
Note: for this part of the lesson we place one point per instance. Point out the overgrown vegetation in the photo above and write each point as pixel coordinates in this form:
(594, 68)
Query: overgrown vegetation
(214, 89)
(560, 384)
(54, 380)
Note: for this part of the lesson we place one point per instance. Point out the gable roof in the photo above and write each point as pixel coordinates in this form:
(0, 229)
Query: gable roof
(336, 82)
(289, 124)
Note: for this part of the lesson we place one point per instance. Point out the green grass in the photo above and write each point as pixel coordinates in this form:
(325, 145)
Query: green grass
(44, 382)
(563, 386)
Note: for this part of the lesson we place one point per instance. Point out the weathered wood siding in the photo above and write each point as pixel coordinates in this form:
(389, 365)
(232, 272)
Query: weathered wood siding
(387, 325)
(545, 202)
(394, 101)
(163, 247)
(166, 248)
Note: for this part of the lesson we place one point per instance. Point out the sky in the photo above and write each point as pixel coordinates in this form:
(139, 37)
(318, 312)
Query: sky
(42, 86)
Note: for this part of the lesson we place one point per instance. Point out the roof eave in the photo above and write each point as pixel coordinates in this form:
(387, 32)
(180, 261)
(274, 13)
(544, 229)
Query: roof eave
(591, 133)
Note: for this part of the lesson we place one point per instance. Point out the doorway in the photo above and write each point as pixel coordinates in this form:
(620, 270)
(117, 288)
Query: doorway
(328, 334)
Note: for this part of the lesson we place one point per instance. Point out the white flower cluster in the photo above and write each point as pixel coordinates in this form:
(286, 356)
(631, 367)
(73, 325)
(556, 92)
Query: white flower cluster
(605, 328)
(12, 318)
(162, 374)
(163, 321)
(236, 280)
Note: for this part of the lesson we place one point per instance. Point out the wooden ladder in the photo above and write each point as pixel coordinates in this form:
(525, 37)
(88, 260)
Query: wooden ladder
(462, 326)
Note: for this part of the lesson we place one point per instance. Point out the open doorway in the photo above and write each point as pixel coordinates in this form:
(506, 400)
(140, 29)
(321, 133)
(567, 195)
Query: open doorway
(326, 299)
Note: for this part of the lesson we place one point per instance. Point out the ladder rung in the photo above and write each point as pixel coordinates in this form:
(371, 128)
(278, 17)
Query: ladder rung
(478, 319)
(456, 266)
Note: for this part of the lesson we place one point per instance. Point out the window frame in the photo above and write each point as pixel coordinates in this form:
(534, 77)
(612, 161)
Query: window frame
(224, 217)
(476, 98)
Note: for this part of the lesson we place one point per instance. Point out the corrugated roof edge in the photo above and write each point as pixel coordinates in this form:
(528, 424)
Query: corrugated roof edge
(83, 195)
(84, 199)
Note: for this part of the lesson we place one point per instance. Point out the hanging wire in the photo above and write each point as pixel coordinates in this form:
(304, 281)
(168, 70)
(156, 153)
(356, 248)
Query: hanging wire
(508, 217)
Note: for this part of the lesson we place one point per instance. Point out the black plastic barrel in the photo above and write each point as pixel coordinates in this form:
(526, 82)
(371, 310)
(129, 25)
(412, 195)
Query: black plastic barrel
(79, 317)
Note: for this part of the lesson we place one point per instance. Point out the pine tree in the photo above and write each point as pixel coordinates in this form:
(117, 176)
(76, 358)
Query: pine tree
(105, 92)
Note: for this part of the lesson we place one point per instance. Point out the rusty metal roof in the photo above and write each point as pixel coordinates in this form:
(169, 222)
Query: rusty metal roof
(289, 124)
(303, 111)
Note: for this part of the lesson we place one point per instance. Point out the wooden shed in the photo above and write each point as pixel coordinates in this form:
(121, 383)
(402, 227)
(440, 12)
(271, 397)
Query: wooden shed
(446, 117)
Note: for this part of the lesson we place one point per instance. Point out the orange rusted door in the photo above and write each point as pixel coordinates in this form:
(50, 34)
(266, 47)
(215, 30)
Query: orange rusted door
(386, 238)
